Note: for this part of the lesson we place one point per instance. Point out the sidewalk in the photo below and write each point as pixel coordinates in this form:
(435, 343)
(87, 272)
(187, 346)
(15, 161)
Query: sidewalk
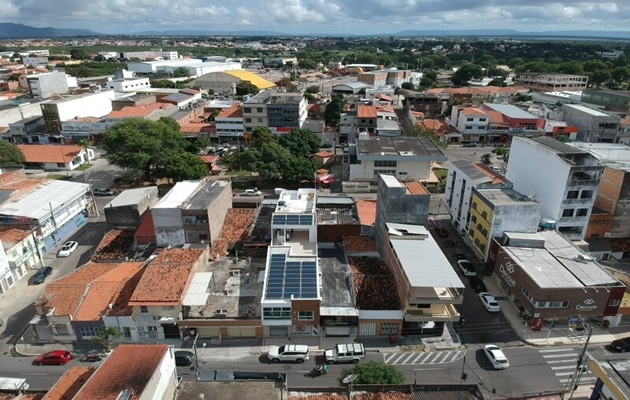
(548, 335)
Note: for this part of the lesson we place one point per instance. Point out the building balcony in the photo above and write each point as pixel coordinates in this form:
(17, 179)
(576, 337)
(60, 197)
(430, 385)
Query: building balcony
(448, 313)
(577, 202)
(572, 220)
(581, 184)
(437, 296)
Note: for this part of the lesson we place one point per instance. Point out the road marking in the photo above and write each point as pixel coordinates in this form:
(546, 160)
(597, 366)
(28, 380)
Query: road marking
(446, 356)
(388, 357)
(582, 380)
(399, 358)
(428, 369)
(564, 367)
(435, 359)
(408, 358)
(35, 374)
(562, 361)
(455, 356)
(560, 355)
(417, 358)
(553, 350)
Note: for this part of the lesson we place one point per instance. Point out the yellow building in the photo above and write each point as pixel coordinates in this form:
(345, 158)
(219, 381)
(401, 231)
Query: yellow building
(612, 379)
(494, 211)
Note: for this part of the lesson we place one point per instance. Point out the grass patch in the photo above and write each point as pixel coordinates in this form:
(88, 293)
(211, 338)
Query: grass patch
(58, 177)
(441, 173)
(83, 167)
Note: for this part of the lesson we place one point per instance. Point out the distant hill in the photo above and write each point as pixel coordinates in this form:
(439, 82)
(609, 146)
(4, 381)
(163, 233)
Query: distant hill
(514, 33)
(185, 32)
(18, 31)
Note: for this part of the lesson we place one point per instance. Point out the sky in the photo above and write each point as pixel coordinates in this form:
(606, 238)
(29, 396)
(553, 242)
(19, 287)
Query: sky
(318, 16)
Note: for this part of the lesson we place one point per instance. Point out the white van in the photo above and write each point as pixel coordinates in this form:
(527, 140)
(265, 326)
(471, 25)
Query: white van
(352, 352)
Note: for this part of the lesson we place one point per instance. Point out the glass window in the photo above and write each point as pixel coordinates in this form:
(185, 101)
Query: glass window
(144, 309)
(277, 313)
(306, 315)
(567, 212)
(385, 163)
(582, 212)
(247, 109)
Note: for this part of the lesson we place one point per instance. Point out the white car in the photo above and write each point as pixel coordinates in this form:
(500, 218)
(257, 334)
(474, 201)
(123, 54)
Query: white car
(289, 352)
(466, 267)
(67, 249)
(489, 302)
(496, 357)
(252, 192)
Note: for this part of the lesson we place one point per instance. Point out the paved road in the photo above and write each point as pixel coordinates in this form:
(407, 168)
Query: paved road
(472, 154)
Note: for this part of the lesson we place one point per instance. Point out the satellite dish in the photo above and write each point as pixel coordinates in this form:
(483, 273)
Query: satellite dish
(350, 378)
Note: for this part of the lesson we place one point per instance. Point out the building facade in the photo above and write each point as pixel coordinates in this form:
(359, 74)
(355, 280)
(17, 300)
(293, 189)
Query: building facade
(79, 106)
(595, 126)
(43, 86)
(128, 85)
(551, 82)
(618, 100)
(229, 124)
(471, 122)
(23, 253)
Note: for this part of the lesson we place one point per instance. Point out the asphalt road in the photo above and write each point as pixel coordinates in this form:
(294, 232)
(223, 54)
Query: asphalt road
(472, 154)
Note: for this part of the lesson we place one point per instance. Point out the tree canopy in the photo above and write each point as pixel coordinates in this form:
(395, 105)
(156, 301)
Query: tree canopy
(246, 87)
(286, 157)
(374, 373)
(332, 114)
(10, 154)
(466, 73)
(153, 148)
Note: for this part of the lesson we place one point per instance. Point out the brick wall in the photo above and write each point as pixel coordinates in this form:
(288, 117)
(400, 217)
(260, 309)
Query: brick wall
(599, 225)
(305, 305)
(609, 189)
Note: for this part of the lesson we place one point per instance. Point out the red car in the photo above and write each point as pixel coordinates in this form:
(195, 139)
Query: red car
(55, 357)
(441, 231)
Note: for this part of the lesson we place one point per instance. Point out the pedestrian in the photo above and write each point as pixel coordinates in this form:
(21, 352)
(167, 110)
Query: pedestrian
(475, 153)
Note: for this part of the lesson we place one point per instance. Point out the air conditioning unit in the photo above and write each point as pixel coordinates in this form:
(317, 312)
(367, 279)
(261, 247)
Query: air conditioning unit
(584, 257)
(220, 314)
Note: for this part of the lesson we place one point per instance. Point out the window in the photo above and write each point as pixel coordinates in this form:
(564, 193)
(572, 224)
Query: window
(384, 172)
(89, 331)
(144, 310)
(573, 194)
(260, 120)
(614, 303)
(474, 205)
(470, 119)
(582, 212)
(61, 165)
(567, 212)
(469, 127)
(473, 219)
(484, 215)
(385, 163)
(277, 313)
(259, 109)
(248, 120)
(306, 315)
(482, 120)
(586, 194)
(247, 110)
(168, 308)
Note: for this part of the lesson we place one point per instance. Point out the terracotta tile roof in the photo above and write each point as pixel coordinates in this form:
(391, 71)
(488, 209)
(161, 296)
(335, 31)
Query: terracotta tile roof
(383, 396)
(324, 154)
(320, 396)
(366, 112)
(472, 111)
(198, 120)
(130, 367)
(24, 186)
(619, 245)
(432, 124)
(198, 128)
(624, 121)
(12, 237)
(235, 111)
(359, 244)
(496, 178)
(114, 246)
(49, 153)
(383, 97)
(146, 228)
(166, 278)
(64, 295)
(107, 290)
(497, 117)
(416, 188)
(70, 383)
(86, 119)
(31, 396)
(136, 111)
(209, 159)
(386, 109)
(418, 114)
(366, 210)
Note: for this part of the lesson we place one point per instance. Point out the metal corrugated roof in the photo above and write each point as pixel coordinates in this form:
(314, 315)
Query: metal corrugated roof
(197, 294)
(243, 75)
(336, 200)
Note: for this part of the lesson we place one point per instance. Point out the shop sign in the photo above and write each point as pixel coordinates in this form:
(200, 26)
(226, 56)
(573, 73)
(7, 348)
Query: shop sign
(587, 306)
(506, 272)
(301, 330)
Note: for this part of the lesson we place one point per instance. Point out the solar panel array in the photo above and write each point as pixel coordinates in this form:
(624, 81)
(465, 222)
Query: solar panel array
(286, 278)
(292, 219)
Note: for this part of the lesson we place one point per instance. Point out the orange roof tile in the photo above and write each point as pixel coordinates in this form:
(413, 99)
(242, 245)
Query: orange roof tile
(383, 97)
(324, 154)
(166, 278)
(130, 367)
(136, 111)
(24, 186)
(49, 153)
(235, 111)
(198, 128)
(418, 114)
(625, 121)
(497, 117)
(12, 237)
(209, 159)
(107, 290)
(416, 188)
(70, 383)
(496, 178)
(387, 109)
(114, 246)
(359, 244)
(366, 210)
(366, 112)
(471, 111)
(146, 228)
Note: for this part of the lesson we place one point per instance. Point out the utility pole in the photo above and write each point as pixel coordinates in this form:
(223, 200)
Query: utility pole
(464, 375)
(574, 380)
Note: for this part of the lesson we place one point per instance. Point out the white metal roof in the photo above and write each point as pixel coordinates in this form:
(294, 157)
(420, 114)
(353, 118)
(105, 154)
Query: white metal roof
(37, 203)
(424, 264)
(197, 294)
(407, 229)
(132, 196)
(586, 110)
(510, 111)
(178, 194)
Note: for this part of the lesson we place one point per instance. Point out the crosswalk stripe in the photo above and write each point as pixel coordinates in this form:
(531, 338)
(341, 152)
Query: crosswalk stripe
(417, 358)
(436, 357)
(551, 350)
(399, 358)
(560, 355)
(408, 358)
(457, 354)
(425, 357)
(564, 373)
(562, 361)
(584, 379)
(388, 357)
(564, 367)
(445, 357)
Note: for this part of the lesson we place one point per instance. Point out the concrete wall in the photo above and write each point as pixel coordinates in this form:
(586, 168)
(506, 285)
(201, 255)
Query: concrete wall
(613, 196)
(416, 170)
(17, 113)
(589, 125)
(163, 382)
(169, 227)
(218, 211)
(123, 217)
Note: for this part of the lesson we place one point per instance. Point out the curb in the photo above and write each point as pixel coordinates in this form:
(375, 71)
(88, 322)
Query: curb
(14, 345)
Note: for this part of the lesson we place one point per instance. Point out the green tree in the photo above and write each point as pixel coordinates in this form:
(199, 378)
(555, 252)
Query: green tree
(106, 336)
(417, 131)
(429, 80)
(515, 62)
(10, 154)
(307, 64)
(598, 78)
(181, 72)
(500, 82)
(85, 145)
(314, 89)
(299, 169)
(486, 61)
(333, 110)
(373, 373)
(262, 135)
(100, 58)
(246, 87)
(502, 152)
(182, 166)
(79, 54)
(621, 74)
(301, 142)
(145, 146)
(465, 73)
(562, 138)
(408, 86)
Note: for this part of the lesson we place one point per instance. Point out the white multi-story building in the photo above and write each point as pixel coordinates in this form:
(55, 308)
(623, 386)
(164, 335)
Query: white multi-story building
(562, 178)
(43, 86)
(291, 299)
(22, 252)
(595, 126)
(71, 107)
(229, 123)
(6, 277)
(153, 54)
(195, 67)
(35, 61)
(463, 176)
(472, 122)
(129, 85)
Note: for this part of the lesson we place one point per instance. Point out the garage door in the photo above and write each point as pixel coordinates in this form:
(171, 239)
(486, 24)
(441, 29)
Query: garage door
(367, 330)
(278, 331)
(337, 331)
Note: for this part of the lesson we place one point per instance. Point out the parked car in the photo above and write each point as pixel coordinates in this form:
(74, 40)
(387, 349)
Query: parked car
(55, 357)
(41, 275)
(441, 231)
(496, 357)
(466, 267)
(252, 192)
(621, 345)
(351, 352)
(489, 302)
(67, 249)
(289, 352)
(476, 283)
(105, 192)
(184, 358)
(470, 144)
(327, 146)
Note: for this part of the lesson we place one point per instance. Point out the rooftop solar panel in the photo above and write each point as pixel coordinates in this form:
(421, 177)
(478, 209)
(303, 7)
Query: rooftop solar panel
(291, 278)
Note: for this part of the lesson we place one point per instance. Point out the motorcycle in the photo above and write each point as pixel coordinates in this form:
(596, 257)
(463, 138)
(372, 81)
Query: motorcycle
(92, 358)
(318, 371)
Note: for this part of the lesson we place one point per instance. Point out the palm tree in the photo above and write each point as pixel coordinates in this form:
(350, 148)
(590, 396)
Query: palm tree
(85, 144)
